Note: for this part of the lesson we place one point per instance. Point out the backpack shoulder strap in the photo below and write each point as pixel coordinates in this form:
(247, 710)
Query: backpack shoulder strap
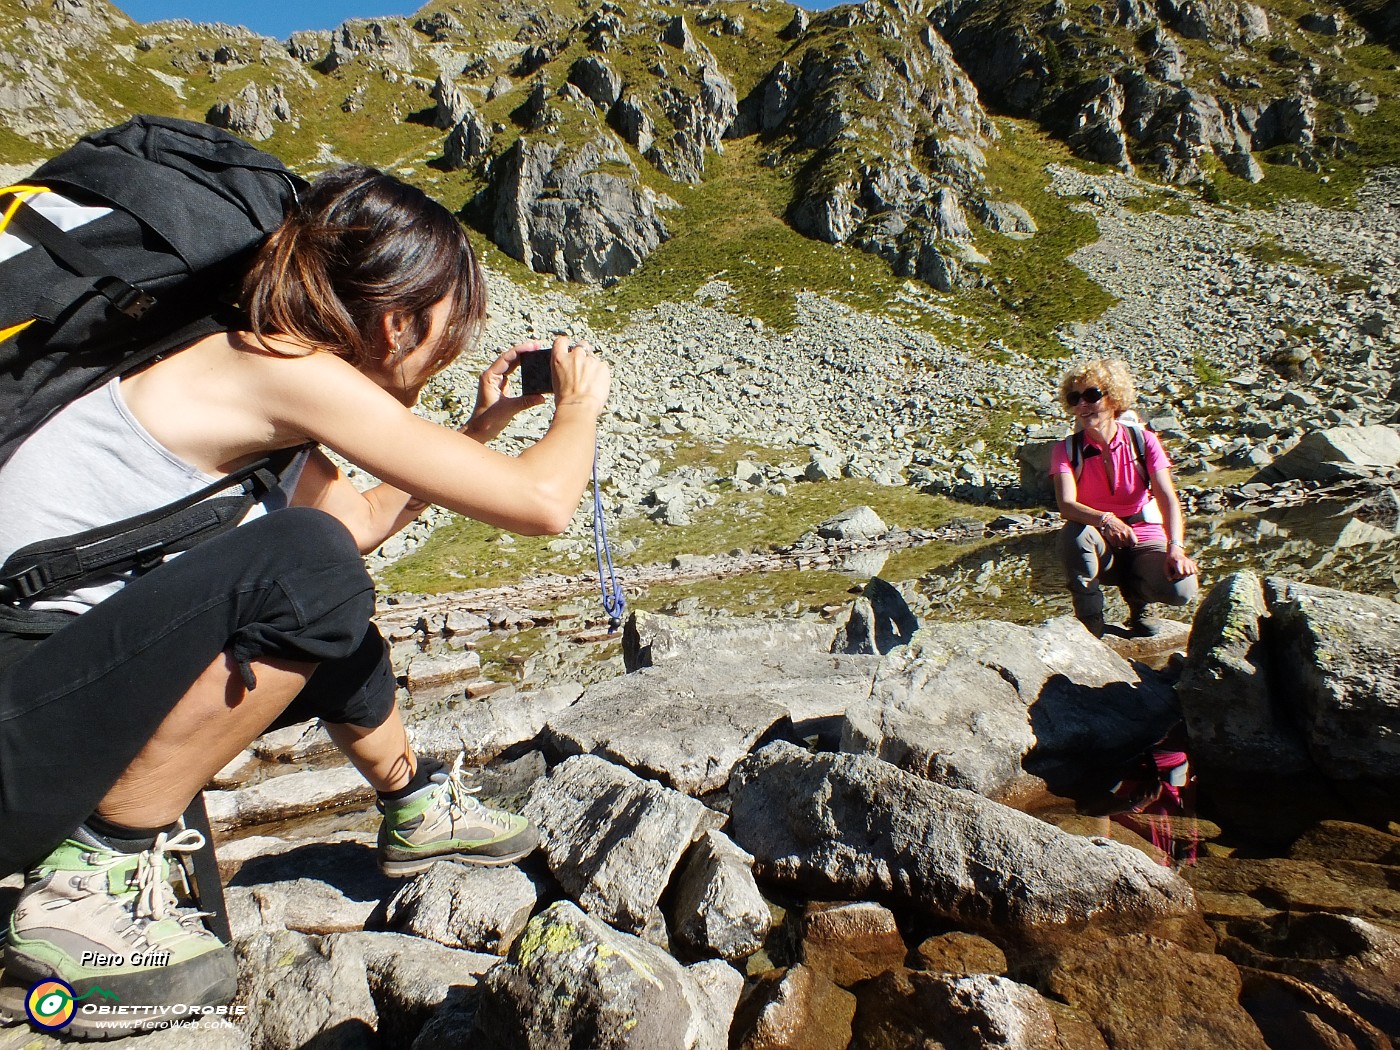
(1074, 449)
(1139, 439)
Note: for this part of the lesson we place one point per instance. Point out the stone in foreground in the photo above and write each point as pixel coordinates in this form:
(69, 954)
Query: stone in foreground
(571, 981)
(854, 827)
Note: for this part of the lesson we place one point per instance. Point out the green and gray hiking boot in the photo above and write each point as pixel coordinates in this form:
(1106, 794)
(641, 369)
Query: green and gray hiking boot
(444, 822)
(107, 925)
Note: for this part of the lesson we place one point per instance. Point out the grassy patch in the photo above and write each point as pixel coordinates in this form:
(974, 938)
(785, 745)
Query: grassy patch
(722, 456)
(1270, 252)
(760, 520)
(466, 554)
(1208, 374)
(1032, 287)
(731, 229)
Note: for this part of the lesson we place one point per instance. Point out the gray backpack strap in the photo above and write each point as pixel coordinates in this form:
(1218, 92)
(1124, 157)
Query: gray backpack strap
(1140, 448)
(1075, 448)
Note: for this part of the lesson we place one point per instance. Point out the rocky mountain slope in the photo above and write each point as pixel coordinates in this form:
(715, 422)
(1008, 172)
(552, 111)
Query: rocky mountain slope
(570, 134)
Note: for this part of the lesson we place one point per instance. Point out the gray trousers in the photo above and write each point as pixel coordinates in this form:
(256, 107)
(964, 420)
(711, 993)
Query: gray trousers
(1138, 571)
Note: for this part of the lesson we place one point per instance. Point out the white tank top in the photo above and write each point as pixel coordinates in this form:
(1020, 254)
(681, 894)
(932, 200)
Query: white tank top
(92, 464)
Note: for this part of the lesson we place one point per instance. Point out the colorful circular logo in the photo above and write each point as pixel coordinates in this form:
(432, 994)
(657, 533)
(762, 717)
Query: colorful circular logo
(50, 1004)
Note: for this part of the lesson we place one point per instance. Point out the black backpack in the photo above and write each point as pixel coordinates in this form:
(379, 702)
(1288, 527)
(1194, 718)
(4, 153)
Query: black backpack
(189, 204)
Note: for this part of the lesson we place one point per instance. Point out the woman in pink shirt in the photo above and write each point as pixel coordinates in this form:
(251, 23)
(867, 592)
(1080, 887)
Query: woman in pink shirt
(1110, 535)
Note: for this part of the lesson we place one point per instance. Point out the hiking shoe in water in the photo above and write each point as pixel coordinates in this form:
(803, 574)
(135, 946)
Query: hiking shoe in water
(108, 926)
(444, 822)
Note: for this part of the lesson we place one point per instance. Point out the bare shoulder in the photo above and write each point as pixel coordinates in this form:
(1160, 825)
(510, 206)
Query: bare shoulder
(294, 387)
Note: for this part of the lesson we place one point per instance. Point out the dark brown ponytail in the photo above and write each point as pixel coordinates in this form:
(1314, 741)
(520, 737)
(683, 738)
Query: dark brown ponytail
(359, 245)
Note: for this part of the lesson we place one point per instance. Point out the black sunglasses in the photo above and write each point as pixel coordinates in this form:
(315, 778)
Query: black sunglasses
(1091, 394)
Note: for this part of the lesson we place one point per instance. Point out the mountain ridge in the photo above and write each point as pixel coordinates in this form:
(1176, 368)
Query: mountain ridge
(582, 139)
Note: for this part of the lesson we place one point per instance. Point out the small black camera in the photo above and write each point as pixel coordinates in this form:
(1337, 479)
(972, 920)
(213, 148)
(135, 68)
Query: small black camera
(537, 372)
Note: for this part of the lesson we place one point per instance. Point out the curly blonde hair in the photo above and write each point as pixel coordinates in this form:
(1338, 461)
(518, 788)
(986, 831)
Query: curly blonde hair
(1108, 374)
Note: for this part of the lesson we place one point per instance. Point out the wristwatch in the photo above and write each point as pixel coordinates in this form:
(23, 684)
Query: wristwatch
(1177, 543)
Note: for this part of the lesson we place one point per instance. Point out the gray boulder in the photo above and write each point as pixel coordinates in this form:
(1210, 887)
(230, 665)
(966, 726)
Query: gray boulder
(291, 795)
(468, 141)
(305, 991)
(1234, 720)
(854, 827)
(478, 908)
(1340, 654)
(686, 726)
(597, 79)
(910, 1008)
(572, 981)
(1338, 453)
(414, 980)
(854, 525)
(567, 212)
(989, 706)
(1033, 460)
(676, 32)
(880, 620)
(717, 909)
(633, 123)
(612, 839)
(452, 105)
(1007, 218)
(485, 727)
(738, 670)
(252, 111)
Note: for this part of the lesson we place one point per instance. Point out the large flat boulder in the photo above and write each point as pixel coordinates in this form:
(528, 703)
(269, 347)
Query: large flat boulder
(990, 706)
(1338, 453)
(705, 692)
(612, 839)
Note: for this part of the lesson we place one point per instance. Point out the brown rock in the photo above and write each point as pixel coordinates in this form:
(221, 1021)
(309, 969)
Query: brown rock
(1355, 961)
(1292, 1013)
(794, 1009)
(849, 943)
(960, 953)
(909, 1008)
(1148, 993)
(1268, 887)
(1332, 840)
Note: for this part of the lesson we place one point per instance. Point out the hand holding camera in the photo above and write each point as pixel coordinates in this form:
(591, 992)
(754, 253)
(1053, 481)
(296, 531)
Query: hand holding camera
(571, 371)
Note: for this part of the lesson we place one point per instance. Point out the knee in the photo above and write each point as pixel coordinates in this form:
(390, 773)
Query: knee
(1182, 591)
(313, 537)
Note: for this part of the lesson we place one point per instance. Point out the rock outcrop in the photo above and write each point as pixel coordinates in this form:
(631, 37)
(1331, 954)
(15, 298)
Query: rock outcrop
(581, 214)
(1290, 693)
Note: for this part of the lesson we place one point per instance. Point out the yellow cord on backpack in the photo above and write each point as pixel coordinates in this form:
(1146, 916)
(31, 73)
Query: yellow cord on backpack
(19, 194)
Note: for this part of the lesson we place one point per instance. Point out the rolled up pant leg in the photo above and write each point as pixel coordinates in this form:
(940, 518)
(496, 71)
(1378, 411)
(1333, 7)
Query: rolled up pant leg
(1090, 564)
(1146, 581)
(77, 707)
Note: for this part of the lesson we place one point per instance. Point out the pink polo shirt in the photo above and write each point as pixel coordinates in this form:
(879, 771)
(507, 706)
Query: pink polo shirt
(1113, 481)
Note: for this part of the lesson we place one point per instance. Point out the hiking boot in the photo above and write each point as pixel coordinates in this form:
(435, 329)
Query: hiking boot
(1139, 625)
(108, 925)
(444, 822)
(1093, 623)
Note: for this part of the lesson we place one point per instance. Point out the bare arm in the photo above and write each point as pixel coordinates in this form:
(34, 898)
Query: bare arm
(324, 399)
(371, 515)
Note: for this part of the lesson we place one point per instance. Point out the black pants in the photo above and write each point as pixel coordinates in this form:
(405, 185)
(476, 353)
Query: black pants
(77, 706)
